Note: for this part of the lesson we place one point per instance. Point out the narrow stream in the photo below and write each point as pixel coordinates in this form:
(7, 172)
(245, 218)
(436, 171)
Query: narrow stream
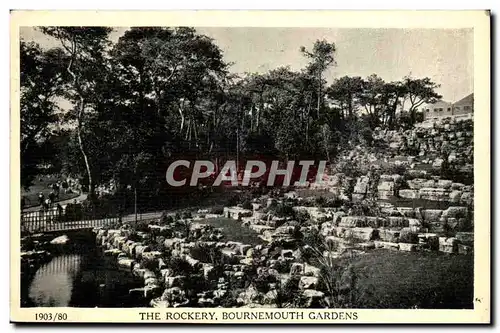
(79, 276)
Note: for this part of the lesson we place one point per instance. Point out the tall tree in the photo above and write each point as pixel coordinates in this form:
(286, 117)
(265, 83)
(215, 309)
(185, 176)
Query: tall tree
(41, 85)
(419, 91)
(346, 92)
(321, 57)
(85, 47)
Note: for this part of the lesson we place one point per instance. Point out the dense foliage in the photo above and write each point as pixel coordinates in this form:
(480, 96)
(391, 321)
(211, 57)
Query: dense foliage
(160, 92)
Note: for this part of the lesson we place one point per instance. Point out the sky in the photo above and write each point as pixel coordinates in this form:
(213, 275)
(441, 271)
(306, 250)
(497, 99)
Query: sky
(444, 55)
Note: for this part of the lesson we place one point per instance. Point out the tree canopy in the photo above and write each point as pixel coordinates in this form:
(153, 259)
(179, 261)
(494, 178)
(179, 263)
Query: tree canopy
(160, 92)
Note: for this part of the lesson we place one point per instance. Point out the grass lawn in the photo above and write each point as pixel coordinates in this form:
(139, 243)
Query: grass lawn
(42, 186)
(394, 279)
(234, 231)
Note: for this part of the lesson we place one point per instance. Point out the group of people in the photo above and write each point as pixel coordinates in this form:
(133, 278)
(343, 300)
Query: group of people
(47, 202)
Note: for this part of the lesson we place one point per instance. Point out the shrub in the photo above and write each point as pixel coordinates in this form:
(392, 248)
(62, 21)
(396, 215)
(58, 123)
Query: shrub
(302, 216)
(337, 279)
(262, 281)
(166, 219)
(320, 201)
(219, 210)
(134, 237)
(287, 294)
(207, 254)
(247, 205)
(180, 266)
(283, 210)
(187, 214)
(408, 237)
(151, 264)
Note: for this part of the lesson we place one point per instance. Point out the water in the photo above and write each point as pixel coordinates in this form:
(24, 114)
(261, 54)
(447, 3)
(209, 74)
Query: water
(80, 276)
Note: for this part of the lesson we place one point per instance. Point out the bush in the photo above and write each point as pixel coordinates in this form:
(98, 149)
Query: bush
(134, 237)
(320, 202)
(302, 216)
(151, 264)
(262, 281)
(219, 210)
(247, 205)
(166, 219)
(180, 266)
(283, 210)
(207, 254)
(408, 237)
(187, 214)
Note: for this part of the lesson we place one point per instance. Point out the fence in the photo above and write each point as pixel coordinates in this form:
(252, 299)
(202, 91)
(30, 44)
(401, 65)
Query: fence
(60, 219)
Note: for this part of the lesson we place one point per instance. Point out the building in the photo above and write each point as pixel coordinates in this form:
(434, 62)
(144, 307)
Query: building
(464, 106)
(438, 109)
(444, 109)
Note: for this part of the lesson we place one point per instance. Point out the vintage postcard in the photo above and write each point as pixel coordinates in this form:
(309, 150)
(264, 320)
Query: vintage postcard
(250, 167)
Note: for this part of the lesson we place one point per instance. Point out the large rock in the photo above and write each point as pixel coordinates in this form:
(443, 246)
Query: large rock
(236, 212)
(312, 297)
(397, 222)
(434, 194)
(466, 238)
(455, 212)
(375, 222)
(409, 194)
(386, 189)
(175, 281)
(432, 215)
(448, 244)
(364, 234)
(126, 264)
(408, 247)
(297, 269)
(61, 240)
(308, 282)
(353, 221)
(386, 245)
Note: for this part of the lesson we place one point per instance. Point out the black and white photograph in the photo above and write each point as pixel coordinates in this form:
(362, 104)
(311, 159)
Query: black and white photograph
(247, 167)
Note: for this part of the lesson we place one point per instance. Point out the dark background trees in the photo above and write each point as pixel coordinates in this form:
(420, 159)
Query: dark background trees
(160, 93)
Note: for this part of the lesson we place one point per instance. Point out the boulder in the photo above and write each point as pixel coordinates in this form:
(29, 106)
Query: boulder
(407, 247)
(308, 282)
(431, 214)
(61, 240)
(409, 194)
(448, 244)
(297, 269)
(455, 196)
(388, 235)
(365, 246)
(386, 189)
(352, 221)
(397, 221)
(175, 281)
(386, 245)
(464, 249)
(310, 270)
(466, 238)
(455, 211)
(337, 216)
(434, 194)
(312, 297)
(364, 234)
(126, 264)
(375, 222)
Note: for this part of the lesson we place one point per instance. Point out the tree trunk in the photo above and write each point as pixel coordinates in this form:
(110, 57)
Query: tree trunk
(319, 94)
(82, 149)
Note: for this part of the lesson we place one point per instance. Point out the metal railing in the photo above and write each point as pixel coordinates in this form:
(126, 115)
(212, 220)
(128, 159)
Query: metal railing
(58, 219)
